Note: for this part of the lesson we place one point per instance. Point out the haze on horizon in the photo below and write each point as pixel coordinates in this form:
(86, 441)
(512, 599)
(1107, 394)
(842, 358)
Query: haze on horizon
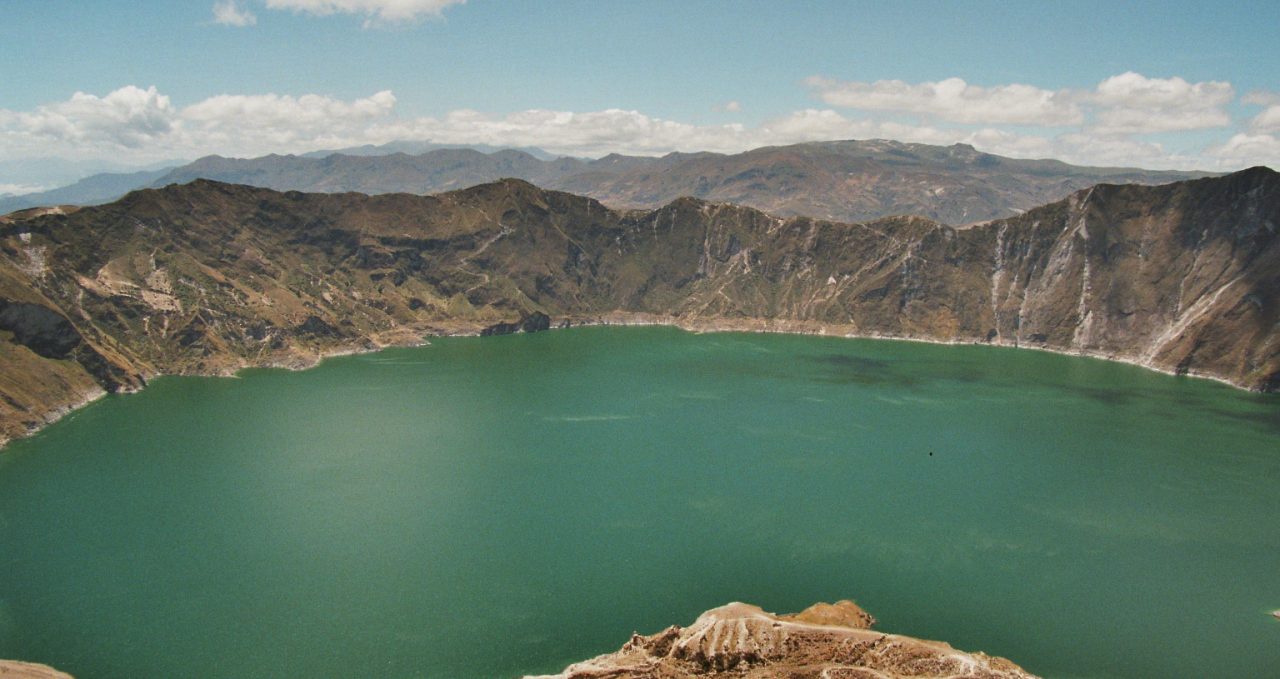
(110, 85)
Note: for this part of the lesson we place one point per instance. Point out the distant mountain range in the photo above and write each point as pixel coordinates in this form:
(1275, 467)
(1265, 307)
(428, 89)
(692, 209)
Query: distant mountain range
(844, 181)
(208, 277)
(414, 148)
(93, 190)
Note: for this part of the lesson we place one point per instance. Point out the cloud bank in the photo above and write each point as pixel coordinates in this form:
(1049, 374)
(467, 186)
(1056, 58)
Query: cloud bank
(953, 100)
(1111, 124)
(1129, 103)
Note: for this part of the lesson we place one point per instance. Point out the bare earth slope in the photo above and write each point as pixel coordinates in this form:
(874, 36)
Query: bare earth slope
(826, 641)
(208, 278)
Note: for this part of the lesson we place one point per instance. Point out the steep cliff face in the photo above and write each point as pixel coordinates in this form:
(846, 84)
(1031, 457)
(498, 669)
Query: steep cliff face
(208, 278)
(1182, 277)
(824, 641)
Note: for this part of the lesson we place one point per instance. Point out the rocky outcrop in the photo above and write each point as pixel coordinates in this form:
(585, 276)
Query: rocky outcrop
(534, 322)
(826, 641)
(208, 278)
(39, 328)
(12, 669)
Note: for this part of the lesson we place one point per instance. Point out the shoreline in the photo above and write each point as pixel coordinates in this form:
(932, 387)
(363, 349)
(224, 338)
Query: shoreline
(300, 362)
(826, 330)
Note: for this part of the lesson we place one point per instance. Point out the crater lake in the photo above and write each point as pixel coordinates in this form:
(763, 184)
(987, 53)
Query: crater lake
(489, 507)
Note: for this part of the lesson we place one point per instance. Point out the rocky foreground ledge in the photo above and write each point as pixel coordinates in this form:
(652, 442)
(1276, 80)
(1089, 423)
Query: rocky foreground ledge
(825, 641)
(12, 669)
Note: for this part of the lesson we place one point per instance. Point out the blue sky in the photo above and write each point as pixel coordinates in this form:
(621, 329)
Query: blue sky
(129, 83)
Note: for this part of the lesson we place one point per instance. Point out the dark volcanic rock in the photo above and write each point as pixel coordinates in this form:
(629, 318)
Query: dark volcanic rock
(534, 322)
(500, 329)
(315, 326)
(39, 328)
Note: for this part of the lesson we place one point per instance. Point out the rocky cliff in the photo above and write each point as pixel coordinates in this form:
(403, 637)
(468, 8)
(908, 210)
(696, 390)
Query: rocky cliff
(209, 277)
(826, 641)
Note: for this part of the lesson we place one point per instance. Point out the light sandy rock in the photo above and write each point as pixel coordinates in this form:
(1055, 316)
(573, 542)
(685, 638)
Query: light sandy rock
(825, 641)
(13, 669)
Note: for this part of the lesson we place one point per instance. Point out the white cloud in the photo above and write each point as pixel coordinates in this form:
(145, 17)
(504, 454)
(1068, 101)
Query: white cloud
(303, 115)
(19, 189)
(127, 117)
(231, 13)
(1095, 149)
(952, 100)
(1125, 104)
(1124, 121)
(143, 125)
(1261, 98)
(1245, 150)
(814, 124)
(1131, 103)
(270, 123)
(1136, 90)
(1268, 120)
(139, 126)
(568, 132)
(377, 11)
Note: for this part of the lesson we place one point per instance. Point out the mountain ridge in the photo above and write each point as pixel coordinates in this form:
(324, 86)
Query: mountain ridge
(840, 180)
(208, 278)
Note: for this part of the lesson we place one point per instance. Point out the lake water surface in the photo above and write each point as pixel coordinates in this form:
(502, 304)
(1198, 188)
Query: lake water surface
(485, 507)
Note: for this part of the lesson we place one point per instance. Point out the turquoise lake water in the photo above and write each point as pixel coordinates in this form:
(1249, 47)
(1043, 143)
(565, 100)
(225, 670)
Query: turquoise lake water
(486, 507)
